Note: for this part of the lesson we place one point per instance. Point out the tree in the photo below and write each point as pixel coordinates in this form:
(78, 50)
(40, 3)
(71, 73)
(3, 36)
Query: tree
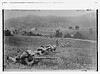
(67, 35)
(78, 35)
(30, 33)
(70, 27)
(57, 33)
(38, 34)
(77, 27)
(60, 34)
(24, 33)
(7, 33)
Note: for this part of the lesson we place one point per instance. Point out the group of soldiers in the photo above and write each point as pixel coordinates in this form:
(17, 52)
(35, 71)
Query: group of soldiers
(28, 56)
(65, 45)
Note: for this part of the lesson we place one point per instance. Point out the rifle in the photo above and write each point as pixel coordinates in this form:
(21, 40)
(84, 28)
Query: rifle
(41, 58)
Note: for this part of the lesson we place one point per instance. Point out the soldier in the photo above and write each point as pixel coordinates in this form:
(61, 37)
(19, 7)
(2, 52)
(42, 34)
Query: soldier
(41, 50)
(27, 57)
(51, 48)
(68, 44)
(54, 47)
(57, 43)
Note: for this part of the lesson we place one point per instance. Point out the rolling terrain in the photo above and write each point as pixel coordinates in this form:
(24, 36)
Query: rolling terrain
(28, 22)
(80, 56)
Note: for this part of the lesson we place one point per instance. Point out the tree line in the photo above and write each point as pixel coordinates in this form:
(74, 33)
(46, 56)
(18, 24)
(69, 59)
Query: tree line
(58, 33)
(78, 35)
(7, 32)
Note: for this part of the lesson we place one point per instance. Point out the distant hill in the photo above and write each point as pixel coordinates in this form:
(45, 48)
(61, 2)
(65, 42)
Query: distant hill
(30, 21)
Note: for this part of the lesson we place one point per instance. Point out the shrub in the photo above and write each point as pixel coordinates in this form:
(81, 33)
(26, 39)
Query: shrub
(67, 35)
(7, 33)
(78, 36)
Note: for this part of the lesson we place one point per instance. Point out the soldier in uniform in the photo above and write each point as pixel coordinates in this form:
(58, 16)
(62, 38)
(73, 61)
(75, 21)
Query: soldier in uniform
(27, 57)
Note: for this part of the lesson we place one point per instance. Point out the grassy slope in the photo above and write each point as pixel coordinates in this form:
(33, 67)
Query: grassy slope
(85, 32)
(80, 55)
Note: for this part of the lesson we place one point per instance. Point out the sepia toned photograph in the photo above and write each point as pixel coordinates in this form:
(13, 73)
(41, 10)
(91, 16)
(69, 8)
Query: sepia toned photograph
(50, 40)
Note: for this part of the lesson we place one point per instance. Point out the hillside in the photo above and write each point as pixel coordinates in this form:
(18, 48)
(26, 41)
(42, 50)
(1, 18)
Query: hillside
(80, 55)
(30, 21)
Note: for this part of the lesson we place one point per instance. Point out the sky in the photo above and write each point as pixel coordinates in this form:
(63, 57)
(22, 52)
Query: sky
(61, 13)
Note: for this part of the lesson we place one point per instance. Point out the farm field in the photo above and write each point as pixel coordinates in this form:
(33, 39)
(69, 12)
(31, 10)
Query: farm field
(80, 56)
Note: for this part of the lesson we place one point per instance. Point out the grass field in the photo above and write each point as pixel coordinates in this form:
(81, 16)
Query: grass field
(80, 56)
